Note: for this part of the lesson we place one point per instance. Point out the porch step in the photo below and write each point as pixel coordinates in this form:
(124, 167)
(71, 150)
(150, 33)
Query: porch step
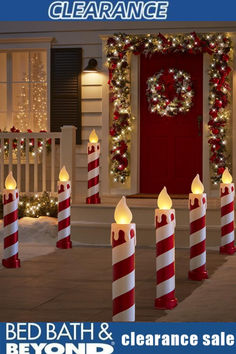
(91, 224)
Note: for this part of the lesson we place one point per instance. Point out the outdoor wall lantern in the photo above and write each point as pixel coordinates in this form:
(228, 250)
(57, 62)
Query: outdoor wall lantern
(92, 66)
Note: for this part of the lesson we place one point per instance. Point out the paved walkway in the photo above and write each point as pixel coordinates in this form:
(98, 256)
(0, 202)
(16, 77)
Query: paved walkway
(75, 285)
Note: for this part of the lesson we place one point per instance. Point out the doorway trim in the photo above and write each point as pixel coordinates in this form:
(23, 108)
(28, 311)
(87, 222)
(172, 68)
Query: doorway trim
(106, 188)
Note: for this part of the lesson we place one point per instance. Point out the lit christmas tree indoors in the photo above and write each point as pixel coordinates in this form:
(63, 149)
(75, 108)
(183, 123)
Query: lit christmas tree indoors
(32, 106)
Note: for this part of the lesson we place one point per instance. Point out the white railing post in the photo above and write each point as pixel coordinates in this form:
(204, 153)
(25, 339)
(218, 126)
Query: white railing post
(67, 153)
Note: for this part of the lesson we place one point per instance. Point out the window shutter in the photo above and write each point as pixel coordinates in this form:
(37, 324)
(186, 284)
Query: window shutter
(66, 64)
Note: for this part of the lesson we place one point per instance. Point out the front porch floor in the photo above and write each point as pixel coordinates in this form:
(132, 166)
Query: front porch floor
(75, 285)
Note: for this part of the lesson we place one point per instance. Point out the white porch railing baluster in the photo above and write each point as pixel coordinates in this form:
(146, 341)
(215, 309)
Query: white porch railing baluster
(53, 166)
(10, 155)
(27, 165)
(19, 164)
(35, 165)
(17, 156)
(44, 162)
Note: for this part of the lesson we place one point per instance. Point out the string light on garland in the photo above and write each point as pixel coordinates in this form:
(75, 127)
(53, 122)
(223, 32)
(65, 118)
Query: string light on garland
(118, 48)
(36, 206)
(23, 144)
(169, 92)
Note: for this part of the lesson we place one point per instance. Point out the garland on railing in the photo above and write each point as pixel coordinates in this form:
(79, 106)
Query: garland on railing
(118, 48)
(35, 206)
(23, 143)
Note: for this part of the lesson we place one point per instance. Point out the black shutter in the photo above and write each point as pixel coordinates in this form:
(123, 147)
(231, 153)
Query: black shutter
(66, 64)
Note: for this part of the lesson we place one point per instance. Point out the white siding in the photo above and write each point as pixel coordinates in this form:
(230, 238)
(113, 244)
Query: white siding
(86, 35)
(91, 118)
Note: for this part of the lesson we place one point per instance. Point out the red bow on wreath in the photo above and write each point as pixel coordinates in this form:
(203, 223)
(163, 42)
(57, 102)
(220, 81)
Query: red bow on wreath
(168, 80)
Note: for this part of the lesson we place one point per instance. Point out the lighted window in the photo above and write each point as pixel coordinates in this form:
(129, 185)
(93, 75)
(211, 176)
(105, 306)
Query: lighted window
(23, 90)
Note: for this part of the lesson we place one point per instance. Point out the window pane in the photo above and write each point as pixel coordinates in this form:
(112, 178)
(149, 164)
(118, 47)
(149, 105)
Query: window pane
(20, 97)
(20, 66)
(3, 97)
(38, 66)
(39, 121)
(21, 106)
(3, 67)
(21, 120)
(29, 90)
(3, 121)
(38, 99)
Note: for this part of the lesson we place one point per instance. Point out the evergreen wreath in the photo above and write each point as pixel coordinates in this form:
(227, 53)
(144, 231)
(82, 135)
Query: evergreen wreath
(169, 92)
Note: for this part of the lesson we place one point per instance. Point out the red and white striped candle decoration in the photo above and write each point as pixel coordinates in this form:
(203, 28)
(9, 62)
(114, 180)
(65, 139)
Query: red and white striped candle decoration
(93, 169)
(123, 240)
(165, 252)
(10, 214)
(227, 193)
(197, 206)
(64, 193)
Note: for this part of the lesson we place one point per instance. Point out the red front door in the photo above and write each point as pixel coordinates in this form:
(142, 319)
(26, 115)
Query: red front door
(170, 147)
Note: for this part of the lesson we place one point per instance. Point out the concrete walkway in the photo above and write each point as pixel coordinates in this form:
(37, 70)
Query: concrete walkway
(75, 285)
(214, 301)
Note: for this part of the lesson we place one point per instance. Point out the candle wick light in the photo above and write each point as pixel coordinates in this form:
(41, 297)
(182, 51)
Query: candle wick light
(197, 186)
(93, 138)
(64, 175)
(122, 213)
(10, 182)
(226, 176)
(164, 201)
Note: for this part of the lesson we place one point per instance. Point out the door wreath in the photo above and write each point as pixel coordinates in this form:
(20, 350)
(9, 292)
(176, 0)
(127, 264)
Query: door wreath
(169, 92)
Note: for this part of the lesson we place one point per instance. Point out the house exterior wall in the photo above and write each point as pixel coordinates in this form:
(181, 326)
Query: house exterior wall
(95, 105)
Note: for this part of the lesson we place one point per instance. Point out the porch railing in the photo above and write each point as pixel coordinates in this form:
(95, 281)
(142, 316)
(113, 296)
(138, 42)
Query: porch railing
(36, 158)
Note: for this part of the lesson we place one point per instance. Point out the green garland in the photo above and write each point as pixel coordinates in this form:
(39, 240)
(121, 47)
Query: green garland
(118, 49)
(36, 206)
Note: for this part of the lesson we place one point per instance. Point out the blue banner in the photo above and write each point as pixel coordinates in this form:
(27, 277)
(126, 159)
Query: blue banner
(106, 338)
(117, 10)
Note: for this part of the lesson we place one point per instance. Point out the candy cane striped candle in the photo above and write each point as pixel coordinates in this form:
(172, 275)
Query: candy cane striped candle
(10, 214)
(165, 252)
(64, 193)
(93, 169)
(123, 241)
(197, 206)
(227, 213)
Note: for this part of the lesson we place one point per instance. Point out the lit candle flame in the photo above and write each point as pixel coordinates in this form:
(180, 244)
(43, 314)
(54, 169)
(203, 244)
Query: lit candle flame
(10, 182)
(226, 177)
(93, 138)
(64, 175)
(122, 213)
(197, 186)
(164, 201)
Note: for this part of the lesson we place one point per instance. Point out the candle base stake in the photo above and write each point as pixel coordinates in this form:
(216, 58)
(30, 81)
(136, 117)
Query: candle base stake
(14, 263)
(166, 304)
(197, 276)
(64, 244)
(94, 199)
(228, 249)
